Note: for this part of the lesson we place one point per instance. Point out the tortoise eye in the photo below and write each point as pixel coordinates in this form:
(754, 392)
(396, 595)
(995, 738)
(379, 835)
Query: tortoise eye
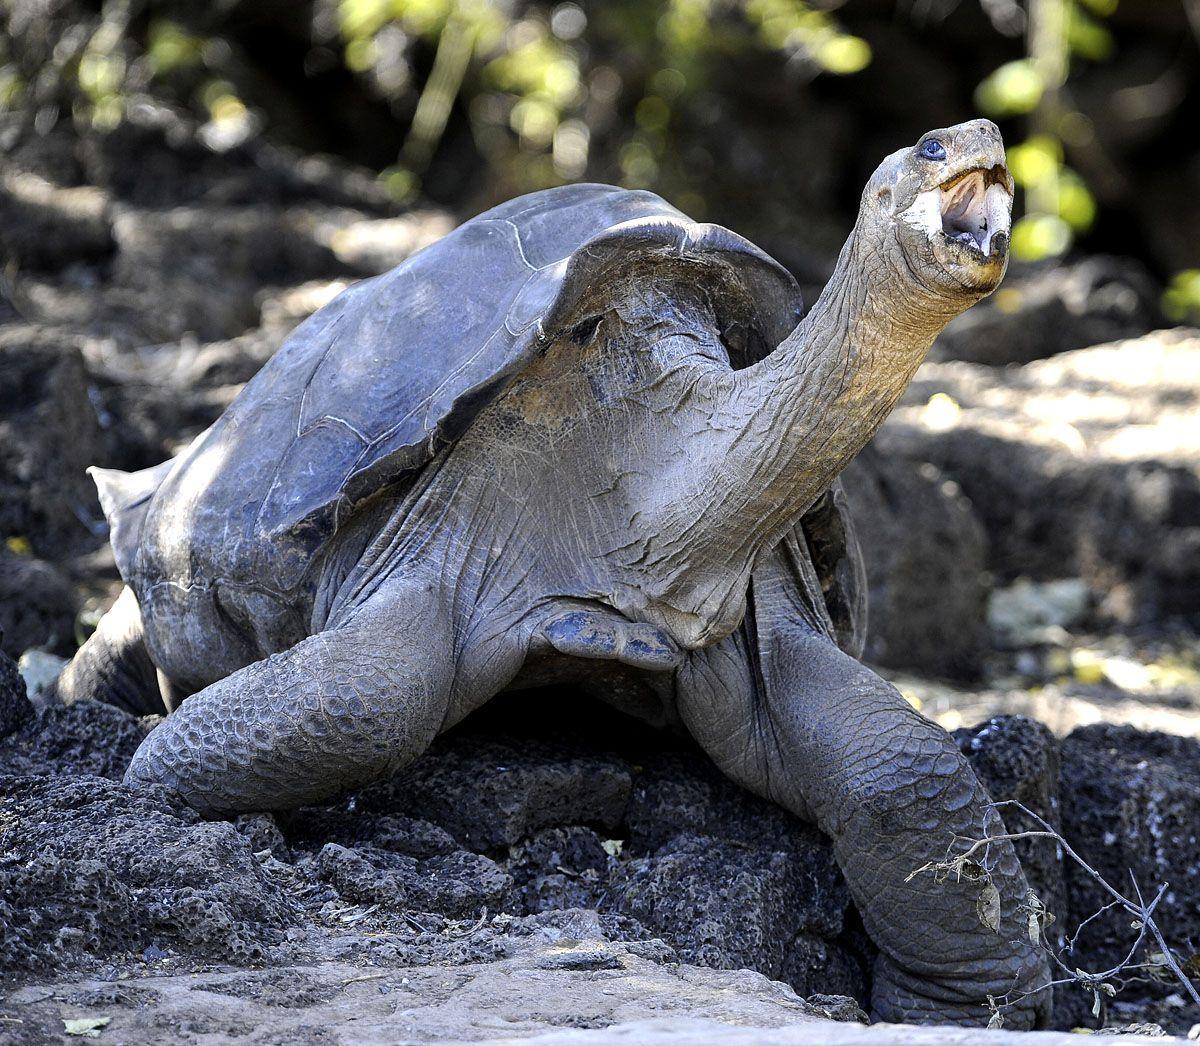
(933, 150)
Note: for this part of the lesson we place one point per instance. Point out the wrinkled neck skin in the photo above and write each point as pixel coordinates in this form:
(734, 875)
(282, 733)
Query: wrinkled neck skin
(794, 420)
(640, 471)
(807, 409)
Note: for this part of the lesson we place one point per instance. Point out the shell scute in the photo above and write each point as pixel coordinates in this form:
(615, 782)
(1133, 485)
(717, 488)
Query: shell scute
(393, 370)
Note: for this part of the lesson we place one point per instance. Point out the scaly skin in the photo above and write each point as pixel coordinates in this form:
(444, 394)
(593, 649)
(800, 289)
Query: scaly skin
(788, 715)
(341, 708)
(629, 496)
(113, 663)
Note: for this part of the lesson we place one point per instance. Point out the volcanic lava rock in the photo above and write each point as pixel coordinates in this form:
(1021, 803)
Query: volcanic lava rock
(15, 709)
(456, 884)
(208, 264)
(1017, 759)
(730, 880)
(312, 827)
(45, 226)
(1131, 807)
(1054, 307)
(49, 435)
(728, 905)
(37, 606)
(493, 793)
(87, 739)
(1082, 465)
(560, 868)
(91, 868)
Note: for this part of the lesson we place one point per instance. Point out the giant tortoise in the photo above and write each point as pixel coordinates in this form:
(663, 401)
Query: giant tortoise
(583, 438)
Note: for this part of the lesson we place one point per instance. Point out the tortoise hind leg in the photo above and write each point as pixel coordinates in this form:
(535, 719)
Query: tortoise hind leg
(113, 666)
(353, 703)
(786, 713)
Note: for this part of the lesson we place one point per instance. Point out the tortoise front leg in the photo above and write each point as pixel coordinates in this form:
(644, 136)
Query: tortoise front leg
(353, 703)
(789, 716)
(113, 665)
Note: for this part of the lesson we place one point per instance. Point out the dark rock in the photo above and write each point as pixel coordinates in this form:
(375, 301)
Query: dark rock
(43, 226)
(838, 1008)
(262, 833)
(175, 167)
(87, 738)
(727, 905)
(311, 827)
(624, 928)
(37, 606)
(457, 884)
(206, 265)
(559, 868)
(580, 959)
(926, 555)
(49, 435)
(1017, 759)
(678, 792)
(729, 879)
(8, 311)
(15, 709)
(818, 968)
(1048, 308)
(90, 868)
(490, 794)
(1132, 807)
(404, 835)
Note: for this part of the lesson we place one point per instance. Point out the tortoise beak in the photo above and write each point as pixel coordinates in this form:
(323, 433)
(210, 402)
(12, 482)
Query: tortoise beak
(976, 209)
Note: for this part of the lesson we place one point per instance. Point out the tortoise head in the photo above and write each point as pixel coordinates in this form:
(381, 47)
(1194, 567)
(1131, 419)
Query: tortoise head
(941, 211)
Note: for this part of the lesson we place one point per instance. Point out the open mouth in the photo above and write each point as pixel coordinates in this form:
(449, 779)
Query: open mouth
(976, 209)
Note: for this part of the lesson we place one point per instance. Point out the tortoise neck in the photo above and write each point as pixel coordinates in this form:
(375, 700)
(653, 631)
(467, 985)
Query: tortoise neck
(824, 392)
(800, 415)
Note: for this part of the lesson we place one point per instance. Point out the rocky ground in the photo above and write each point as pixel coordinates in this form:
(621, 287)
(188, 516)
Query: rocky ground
(531, 838)
(1032, 521)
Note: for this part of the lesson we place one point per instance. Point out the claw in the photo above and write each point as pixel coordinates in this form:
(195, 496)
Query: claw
(606, 636)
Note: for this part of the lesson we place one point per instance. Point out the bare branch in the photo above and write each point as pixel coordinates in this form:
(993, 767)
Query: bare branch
(1100, 983)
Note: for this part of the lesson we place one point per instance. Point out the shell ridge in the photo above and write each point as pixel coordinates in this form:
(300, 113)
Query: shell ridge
(516, 236)
(412, 356)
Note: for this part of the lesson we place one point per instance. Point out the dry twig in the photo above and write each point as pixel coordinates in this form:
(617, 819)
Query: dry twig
(1103, 984)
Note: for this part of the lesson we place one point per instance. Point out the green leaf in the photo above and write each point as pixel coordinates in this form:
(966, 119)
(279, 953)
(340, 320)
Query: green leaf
(1035, 160)
(844, 55)
(1088, 38)
(1012, 90)
(1076, 205)
(1182, 297)
(1040, 236)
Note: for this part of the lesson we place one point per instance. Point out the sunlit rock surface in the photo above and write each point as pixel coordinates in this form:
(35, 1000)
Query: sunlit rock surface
(1083, 465)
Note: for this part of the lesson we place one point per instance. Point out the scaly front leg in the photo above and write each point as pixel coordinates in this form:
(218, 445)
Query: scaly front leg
(788, 715)
(346, 706)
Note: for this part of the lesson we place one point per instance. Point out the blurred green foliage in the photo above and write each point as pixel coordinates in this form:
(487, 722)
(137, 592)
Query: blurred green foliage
(557, 91)
(530, 80)
(1058, 204)
(535, 80)
(539, 80)
(1181, 302)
